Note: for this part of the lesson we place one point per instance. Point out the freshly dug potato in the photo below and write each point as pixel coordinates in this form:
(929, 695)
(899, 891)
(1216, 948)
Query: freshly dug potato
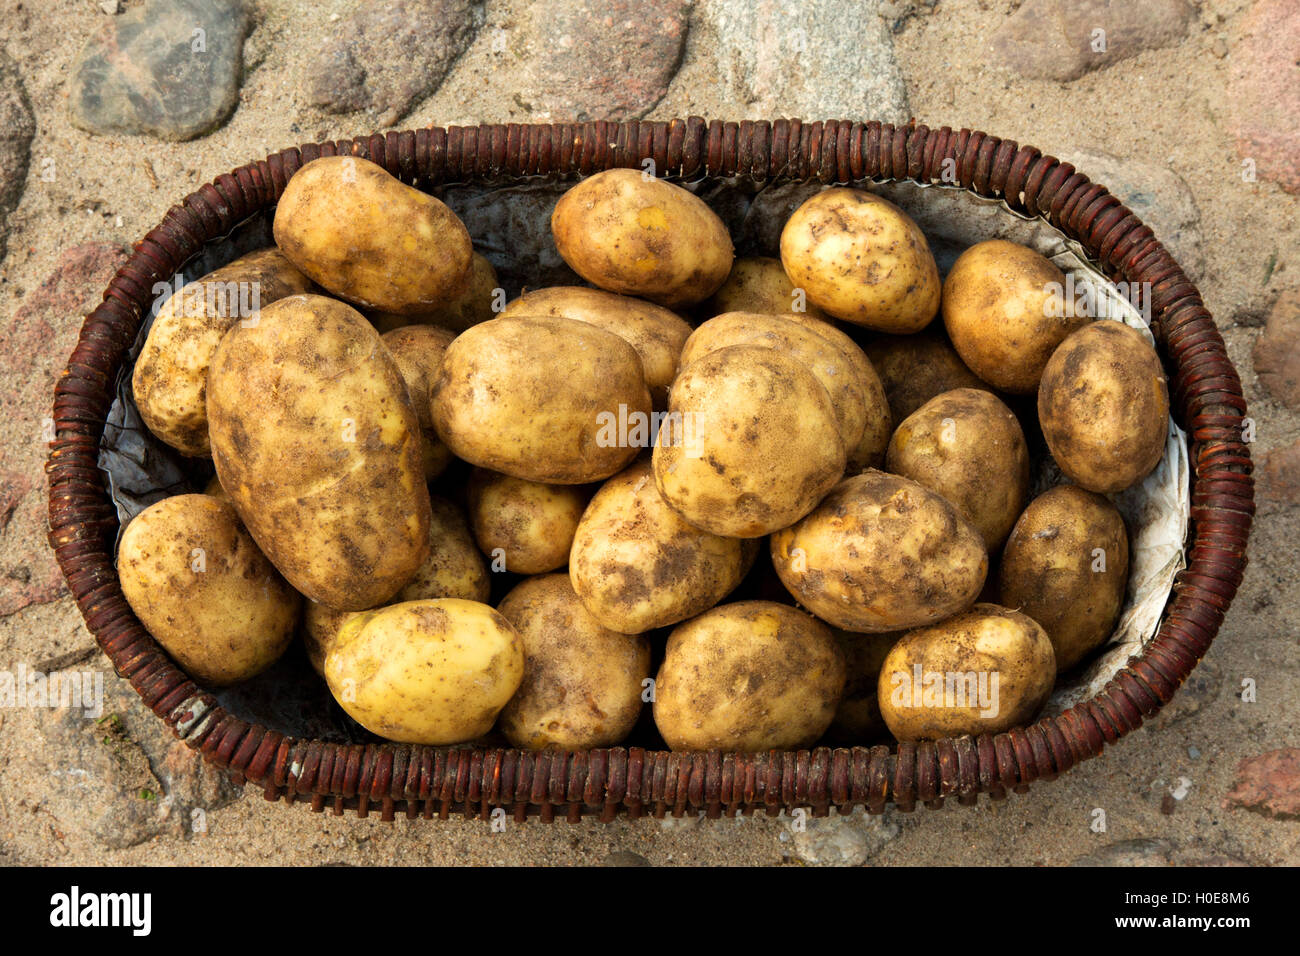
(755, 442)
(916, 368)
(748, 677)
(170, 381)
(637, 564)
(1003, 306)
(418, 352)
(199, 584)
(881, 553)
(583, 683)
(316, 443)
(858, 721)
(320, 629)
(759, 284)
(656, 333)
(370, 239)
(547, 399)
(213, 488)
(531, 524)
(982, 672)
(1104, 407)
(471, 307)
(968, 447)
(1066, 566)
(863, 260)
(426, 672)
(643, 237)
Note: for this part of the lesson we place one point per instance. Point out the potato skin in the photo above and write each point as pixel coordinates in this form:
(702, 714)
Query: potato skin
(530, 397)
(371, 239)
(199, 584)
(748, 677)
(582, 683)
(915, 368)
(881, 553)
(998, 310)
(315, 441)
(1048, 569)
(858, 721)
(531, 523)
(637, 564)
(1104, 407)
(968, 447)
(170, 379)
(863, 260)
(759, 284)
(758, 443)
(320, 629)
(426, 672)
(471, 307)
(647, 238)
(418, 352)
(987, 640)
(656, 333)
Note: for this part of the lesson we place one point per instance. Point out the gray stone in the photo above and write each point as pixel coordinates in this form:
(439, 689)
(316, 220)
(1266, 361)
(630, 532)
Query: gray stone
(843, 841)
(1143, 852)
(389, 56)
(625, 858)
(813, 61)
(17, 127)
(169, 69)
(1064, 39)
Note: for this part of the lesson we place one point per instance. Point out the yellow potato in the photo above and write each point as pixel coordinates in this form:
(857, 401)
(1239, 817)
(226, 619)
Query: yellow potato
(525, 525)
(418, 352)
(320, 629)
(645, 237)
(861, 259)
(476, 304)
(170, 379)
(426, 672)
(371, 239)
(759, 284)
(213, 488)
(583, 683)
(915, 368)
(315, 441)
(858, 721)
(198, 583)
(748, 677)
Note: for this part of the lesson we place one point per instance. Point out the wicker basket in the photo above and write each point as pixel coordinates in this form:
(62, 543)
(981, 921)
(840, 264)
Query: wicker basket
(1206, 400)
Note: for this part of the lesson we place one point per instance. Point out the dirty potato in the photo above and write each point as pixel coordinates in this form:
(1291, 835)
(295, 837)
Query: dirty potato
(863, 260)
(881, 553)
(638, 565)
(201, 587)
(418, 352)
(476, 304)
(546, 399)
(759, 284)
(320, 629)
(170, 380)
(984, 671)
(370, 239)
(1066, 566)
(583, 683)
(915, 368)
(645, 237)
(315, 441)
(858, 721)
(748, 677)
(529, 526)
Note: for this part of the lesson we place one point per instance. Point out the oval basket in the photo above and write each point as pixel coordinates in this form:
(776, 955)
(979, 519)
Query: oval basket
(1206, 400)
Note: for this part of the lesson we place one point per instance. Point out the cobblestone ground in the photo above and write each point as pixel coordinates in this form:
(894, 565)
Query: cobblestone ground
(111, 111)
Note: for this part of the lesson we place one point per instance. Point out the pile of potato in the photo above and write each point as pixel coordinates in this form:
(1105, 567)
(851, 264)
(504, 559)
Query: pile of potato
(772, 497)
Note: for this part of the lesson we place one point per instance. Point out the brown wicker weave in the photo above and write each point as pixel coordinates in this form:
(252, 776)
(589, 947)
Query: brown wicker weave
(1206, 397)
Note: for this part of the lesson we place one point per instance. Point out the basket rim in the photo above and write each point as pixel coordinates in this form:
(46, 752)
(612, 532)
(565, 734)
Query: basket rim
(1205, 393)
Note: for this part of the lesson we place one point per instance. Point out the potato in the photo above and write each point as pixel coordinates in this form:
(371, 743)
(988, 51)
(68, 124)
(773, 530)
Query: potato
(881, 553)
(753, 445)
(1104, 407)
(748, 677)
(858, 721)
(583, 683)
(759, 284)
(418, 352)
(861, 259)
(198, 583)
(426, 672)
(170, 380)
(1066, 566)
(656, 333)
(644, 237)
(320, 629)
(316, 443)
(542, 398)
(982, 672)
(529, 525)
(471, 307)
(214, 489)
(968, 447)
(1003, 307)
(916, 368)
(370, 239)
(638, 565)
